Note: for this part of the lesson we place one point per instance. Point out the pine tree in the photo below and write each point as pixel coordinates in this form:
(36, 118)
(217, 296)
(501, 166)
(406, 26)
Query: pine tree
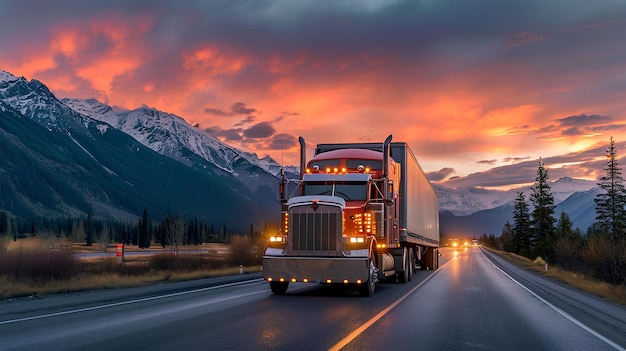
(611, 220)
(610, 202)
(567, 243)
(543, 214)
(506, 237)
(564, 228)
(521, 231)
(89, 235)
(144, 231)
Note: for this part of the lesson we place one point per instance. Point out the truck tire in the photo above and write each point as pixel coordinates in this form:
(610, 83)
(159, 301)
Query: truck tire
(367, 288)
(403, 276)
(411, 264)
(279, 288)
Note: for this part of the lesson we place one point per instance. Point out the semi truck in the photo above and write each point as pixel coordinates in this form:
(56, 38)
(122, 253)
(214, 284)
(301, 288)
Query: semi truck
(359, 214)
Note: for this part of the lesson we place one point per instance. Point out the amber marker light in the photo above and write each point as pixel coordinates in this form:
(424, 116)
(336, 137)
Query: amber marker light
(281, 279)
(328, 281)
(305, 280)
(345, 281)
(359, 281)
(293, 280)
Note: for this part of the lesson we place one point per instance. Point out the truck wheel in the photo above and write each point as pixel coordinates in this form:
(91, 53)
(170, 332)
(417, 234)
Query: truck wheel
(411, 265)
(367, 288)
(279, 288)
(403, 276)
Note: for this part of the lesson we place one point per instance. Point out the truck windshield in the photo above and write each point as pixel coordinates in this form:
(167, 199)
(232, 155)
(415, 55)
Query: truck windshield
(349, 191)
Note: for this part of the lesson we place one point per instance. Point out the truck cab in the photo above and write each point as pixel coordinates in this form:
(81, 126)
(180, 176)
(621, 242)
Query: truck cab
(342, 224)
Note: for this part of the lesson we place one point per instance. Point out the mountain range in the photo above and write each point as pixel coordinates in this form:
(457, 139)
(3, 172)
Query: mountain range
(58, 162)
(493, 209)
(64, 157)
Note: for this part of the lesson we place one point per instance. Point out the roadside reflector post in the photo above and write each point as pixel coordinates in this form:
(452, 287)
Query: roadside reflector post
(240, 269)
(120, 253)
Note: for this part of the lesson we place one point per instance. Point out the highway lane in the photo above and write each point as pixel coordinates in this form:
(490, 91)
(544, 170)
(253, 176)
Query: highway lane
(467, 304)
(473, 304)
(229, 315)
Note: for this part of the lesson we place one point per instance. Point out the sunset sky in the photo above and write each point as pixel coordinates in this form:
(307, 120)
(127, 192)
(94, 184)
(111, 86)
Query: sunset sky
(480, 89)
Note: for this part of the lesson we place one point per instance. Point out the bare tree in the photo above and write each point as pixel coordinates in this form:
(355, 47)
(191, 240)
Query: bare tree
(175, 230)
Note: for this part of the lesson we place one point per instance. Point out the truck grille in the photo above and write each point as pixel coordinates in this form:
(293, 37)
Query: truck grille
(315, 229)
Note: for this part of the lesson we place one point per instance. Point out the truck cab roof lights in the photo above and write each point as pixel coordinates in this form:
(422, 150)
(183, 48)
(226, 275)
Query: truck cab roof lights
(363, 169)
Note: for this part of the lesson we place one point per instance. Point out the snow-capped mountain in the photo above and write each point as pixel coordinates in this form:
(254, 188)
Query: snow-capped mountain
(172, 136)
(465, 201)
(492, 209)
(58, 162)
(169, 135)
(34, 100)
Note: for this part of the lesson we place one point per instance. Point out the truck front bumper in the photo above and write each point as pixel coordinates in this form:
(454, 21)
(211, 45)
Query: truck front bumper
(316, 269)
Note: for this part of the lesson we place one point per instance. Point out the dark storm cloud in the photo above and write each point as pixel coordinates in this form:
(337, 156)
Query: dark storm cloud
(260, 131)
(282, 142)
(583, 120)
(238, 108)
(232, 135)
(586, 124)
(515, 159)
(440, 174)
(216, 112)
(247, 120)
(572, 131)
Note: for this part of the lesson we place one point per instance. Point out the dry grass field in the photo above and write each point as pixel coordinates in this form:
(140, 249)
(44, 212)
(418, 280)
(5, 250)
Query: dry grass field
(33, 267)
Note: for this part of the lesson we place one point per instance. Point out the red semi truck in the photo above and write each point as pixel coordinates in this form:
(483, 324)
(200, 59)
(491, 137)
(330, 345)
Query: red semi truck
(363, 212)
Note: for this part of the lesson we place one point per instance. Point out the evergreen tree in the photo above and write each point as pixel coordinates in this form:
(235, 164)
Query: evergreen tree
(507, 237)
(568, 243)
(611, 222)
(564, 228)
(145, 236)
(89, 235)
(543, 214)
(521, 232)
(3, 222)
(610, 202)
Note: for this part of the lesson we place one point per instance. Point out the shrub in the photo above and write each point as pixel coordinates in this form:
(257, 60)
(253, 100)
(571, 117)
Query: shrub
(183, 262)
(245, 250)
(539, 262)
(38, 265)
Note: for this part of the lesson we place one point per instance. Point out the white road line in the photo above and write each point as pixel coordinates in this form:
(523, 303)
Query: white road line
(128, 302)
(343, 342)
(560, 311)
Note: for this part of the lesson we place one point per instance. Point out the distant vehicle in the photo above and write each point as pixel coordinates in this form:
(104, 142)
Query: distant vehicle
(362, 212)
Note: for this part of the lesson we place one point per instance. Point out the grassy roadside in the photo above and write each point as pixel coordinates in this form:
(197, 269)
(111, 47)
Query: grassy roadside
(36, 267)
(575, 279)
